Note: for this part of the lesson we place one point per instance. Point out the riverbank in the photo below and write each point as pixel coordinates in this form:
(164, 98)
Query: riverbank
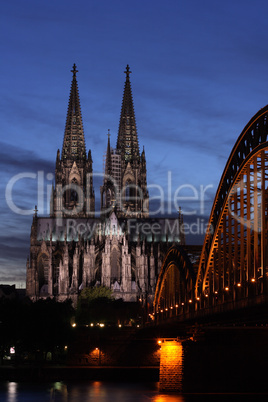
(69, 373)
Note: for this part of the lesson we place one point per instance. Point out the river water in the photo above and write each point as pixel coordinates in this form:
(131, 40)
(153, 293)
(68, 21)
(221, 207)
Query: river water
(99, 391)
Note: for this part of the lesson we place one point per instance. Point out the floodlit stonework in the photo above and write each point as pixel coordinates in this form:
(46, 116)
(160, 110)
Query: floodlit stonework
(123, 248)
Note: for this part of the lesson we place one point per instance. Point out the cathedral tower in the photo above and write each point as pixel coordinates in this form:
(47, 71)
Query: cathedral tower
(73, 194)
(125, 181)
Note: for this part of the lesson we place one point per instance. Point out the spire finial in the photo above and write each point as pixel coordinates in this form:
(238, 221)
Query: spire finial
(74, 71)
(127, 72)
(109, 135)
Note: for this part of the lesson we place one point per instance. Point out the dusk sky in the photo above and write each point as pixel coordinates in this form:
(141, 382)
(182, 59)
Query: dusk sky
(199, 73)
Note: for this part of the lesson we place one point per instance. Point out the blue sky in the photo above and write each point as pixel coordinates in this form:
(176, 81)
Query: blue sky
(199, 73)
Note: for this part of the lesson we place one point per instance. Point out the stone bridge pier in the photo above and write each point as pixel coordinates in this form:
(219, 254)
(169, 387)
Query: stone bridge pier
(171, 364)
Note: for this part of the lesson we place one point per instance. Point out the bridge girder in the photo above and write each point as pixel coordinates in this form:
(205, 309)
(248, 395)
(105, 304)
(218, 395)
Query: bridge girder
(233, 263)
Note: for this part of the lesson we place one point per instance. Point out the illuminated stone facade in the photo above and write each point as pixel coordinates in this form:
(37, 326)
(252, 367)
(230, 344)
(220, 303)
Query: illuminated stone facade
(123, 248)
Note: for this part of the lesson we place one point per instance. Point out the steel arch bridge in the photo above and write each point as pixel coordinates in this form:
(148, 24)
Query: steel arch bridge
(234, 259)
(175, 285)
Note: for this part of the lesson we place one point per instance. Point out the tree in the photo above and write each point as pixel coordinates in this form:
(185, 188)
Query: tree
(94, 305)
(89, 294)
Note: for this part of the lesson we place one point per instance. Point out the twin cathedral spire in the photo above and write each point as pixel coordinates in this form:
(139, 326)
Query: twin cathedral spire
(124, 188)
(126, 255)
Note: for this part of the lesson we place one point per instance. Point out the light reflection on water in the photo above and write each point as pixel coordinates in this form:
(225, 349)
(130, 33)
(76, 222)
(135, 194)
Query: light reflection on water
(12, 391)
(76, 392)
(106, 392)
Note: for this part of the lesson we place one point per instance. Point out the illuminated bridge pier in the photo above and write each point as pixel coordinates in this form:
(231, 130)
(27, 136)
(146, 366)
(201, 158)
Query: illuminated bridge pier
(171, 364)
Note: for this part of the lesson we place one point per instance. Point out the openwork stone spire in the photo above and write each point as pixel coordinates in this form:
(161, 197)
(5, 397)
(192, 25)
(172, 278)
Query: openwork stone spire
(74, 143)
(127, 140)
(73, 193)
(108, 163)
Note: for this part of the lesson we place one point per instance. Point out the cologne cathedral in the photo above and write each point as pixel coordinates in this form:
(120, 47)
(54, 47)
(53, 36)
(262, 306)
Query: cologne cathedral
(121, 248)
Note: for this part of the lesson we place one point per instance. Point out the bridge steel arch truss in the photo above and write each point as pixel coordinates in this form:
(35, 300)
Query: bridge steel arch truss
(233, 267)
(174, 293)
(234, 258)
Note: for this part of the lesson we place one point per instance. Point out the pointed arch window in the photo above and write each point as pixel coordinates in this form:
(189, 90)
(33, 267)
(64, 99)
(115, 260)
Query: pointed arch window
(128, 190)
(74, 195)
(43, 272)
(108, 197)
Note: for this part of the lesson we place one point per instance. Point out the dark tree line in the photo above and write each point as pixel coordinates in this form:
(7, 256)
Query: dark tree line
(97, 305)
(42, 328)
(35, 328)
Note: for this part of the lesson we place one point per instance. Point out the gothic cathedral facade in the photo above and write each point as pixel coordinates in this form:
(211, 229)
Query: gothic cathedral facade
(123, 248)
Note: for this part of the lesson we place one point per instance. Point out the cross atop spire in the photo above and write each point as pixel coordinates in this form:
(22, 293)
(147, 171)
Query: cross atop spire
(74, 71)
(127, 72)
(109, 135)
(74, 147)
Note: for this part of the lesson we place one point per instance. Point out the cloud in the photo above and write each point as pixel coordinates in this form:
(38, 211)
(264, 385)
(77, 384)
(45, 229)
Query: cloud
(11, 274)
(15, 249)
(16, 159)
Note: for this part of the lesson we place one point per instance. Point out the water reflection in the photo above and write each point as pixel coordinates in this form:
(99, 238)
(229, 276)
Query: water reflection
(96, 391)
(59, 391)
(168, 398)
(106, 392)
(12, 392)
(110, 392)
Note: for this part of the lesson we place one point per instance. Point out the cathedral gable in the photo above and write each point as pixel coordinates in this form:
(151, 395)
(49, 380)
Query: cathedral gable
(75, 174)
(43, 248)
(128, 174)
(112, 225)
